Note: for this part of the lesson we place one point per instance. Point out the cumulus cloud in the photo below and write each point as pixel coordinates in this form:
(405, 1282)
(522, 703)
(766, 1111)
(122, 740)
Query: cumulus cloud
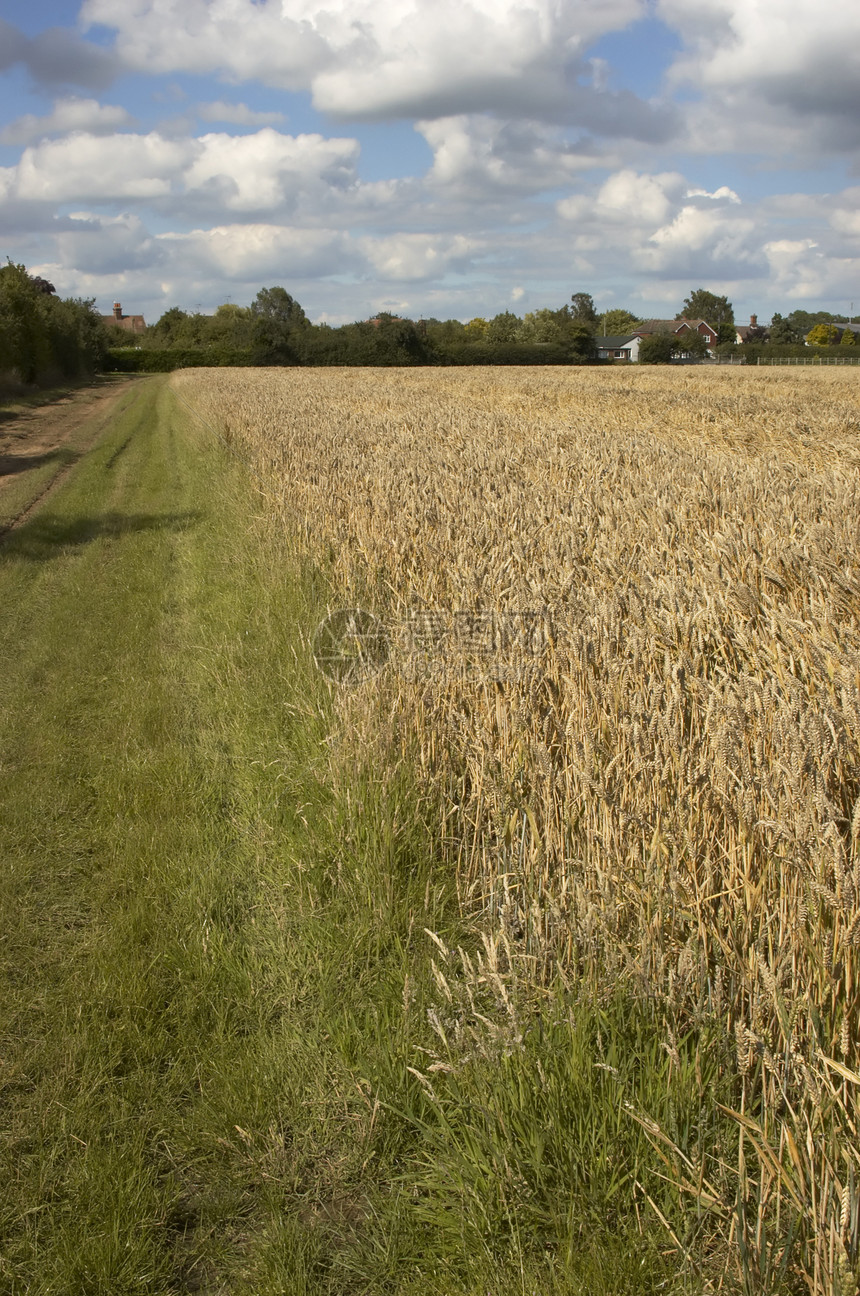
(249, 173)
(801, 269)
(774, 58)
(419, 256)
(702, 242)
(378, 59)
(256, 252)
(266, 170)
(70, 114)
(626, 198)
(479, 155)
(90, 169)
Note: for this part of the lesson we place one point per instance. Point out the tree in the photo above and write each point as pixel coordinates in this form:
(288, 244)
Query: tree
(476, 330)
(707, 306)
(278, 318)
(545, 326)
(504, 327)
(24, 345)
(784, 331)
(168, 330)
(580, 339)
(617, 322)
(232, 326)
(848, 338)
(657, 348)
(690, 343)
(823, 335)
(582, 309)
(277, 304)
(803, 320)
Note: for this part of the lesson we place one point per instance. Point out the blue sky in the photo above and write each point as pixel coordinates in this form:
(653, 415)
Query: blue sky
(444, 158)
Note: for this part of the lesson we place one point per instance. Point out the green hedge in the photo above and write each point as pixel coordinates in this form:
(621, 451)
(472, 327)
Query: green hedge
(140, 360)
(508, 353)
(337, 351)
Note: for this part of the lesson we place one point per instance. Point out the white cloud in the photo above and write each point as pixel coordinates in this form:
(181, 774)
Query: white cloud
(264, 171)
(255, 252)
(626, 198)
(845, 215)
(85, 168)
(479, 156)
(70, 114)
(775, 73)
(702, 241)
(249, 173)
(800, 270)
(238, 114)
(388, 58)
(419, 256)
(724, 193)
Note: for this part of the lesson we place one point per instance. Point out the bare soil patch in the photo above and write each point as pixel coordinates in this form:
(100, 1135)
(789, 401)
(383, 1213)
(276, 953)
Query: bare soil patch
(40, 443)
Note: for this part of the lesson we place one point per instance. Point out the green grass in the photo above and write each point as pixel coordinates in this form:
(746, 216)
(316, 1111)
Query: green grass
(216, 972)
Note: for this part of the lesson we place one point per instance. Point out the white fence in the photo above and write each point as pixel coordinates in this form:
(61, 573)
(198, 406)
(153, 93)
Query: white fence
(814, 360)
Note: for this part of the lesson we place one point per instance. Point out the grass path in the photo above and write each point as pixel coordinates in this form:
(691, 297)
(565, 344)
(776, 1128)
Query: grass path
(139, 1011)
(214, 967)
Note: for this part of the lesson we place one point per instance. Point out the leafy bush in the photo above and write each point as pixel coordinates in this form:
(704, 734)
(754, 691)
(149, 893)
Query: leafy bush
(657, 348)
(137, 360)
(511, 353)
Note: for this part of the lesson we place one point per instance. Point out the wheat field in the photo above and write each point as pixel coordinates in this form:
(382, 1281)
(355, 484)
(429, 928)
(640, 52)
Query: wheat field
(622, 619)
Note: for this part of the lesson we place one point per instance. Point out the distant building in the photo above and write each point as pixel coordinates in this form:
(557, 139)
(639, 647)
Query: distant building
(742, 330)
(622, 347)
(676, 326)
(131, 323)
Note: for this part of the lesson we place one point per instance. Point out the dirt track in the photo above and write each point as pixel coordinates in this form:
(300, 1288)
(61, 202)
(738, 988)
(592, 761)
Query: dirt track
(39, 444)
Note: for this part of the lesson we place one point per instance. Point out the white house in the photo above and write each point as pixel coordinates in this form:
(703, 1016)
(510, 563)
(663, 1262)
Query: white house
(622, 347)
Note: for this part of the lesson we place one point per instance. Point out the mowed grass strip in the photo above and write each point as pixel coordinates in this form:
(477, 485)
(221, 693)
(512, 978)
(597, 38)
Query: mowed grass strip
(136, 807)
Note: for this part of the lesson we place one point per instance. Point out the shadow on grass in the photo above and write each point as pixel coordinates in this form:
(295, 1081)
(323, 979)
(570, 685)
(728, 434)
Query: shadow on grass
(46, 538)
(12, 464)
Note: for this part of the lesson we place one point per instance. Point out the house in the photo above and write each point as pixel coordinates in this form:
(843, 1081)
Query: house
(702, 327)
(622, 347)
(131, 323)
(742, 330)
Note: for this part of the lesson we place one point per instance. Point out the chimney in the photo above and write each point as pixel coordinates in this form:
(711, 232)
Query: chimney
(117, 311)
(753, 321)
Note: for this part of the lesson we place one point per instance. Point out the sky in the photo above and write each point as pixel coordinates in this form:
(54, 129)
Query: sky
(434, 158)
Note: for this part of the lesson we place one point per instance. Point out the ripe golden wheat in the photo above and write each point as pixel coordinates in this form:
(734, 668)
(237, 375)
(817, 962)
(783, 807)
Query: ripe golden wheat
(664, 785)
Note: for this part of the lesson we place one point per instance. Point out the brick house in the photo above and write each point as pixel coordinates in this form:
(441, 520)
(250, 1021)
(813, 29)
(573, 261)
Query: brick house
(701, 327)
(131, 323)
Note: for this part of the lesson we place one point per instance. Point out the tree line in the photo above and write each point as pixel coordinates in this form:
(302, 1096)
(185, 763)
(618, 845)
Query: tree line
(275, 330)
(46, 338)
